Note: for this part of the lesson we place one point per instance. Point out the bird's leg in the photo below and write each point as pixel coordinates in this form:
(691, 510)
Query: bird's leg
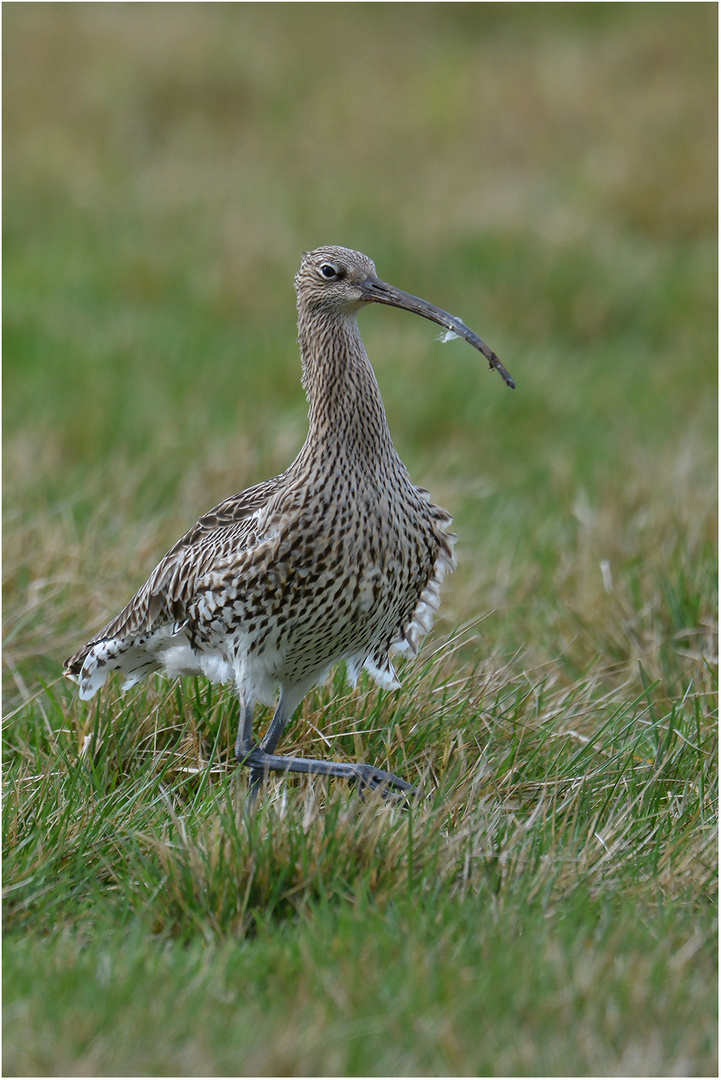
(244, 747)
(261, 759)
(244, 741)
(288, 702)
(368, 776)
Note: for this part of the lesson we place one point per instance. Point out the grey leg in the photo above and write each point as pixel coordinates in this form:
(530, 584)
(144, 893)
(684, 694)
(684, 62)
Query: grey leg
(367, 776)
(244, 742)
(244, 748)
(287, 704)
(261, 759)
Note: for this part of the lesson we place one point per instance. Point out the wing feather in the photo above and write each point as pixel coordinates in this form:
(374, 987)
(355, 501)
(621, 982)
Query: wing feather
(166, 594)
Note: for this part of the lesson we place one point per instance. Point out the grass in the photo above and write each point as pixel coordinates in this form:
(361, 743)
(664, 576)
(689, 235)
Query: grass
(547, 171)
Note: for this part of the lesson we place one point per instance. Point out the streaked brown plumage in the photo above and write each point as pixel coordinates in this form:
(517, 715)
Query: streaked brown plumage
(340, 557)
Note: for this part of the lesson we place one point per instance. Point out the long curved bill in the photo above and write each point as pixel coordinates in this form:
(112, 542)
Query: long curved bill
(379, 292)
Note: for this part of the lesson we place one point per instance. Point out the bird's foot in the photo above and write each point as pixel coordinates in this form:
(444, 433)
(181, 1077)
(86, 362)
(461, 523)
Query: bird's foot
(390, 786)
(260, 763)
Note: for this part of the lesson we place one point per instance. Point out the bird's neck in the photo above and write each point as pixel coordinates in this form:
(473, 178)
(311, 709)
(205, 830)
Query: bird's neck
(345, 408)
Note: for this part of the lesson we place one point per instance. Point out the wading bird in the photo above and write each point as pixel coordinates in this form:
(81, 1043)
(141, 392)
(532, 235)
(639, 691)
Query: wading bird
(341, 557)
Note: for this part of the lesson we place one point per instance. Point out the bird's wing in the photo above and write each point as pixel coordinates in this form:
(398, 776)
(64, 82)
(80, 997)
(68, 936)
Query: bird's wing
(228, 528)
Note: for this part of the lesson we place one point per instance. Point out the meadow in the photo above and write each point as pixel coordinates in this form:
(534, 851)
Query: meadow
(547, 172)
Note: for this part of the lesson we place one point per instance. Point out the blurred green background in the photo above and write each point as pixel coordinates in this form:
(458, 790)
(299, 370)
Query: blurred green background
(547, 171)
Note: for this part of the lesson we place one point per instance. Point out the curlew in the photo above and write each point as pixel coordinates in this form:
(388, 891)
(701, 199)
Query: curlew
(341, 557)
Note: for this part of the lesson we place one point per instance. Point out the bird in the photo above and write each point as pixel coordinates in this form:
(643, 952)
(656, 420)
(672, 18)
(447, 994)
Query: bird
(339, 558)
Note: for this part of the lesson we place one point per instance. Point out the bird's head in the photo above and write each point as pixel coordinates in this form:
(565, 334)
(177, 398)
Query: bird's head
(333, 279)
(337, 281)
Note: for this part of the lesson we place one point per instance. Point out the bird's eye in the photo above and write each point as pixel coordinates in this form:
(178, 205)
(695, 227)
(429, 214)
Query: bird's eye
(328, 271)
